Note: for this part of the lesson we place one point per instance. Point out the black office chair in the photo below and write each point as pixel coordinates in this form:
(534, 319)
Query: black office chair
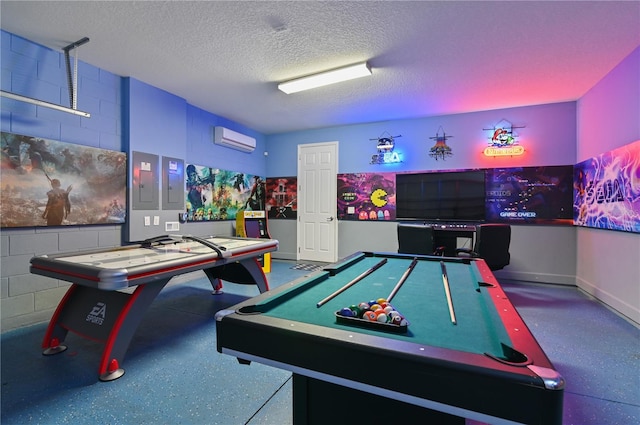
(416, 239)
(492, 245)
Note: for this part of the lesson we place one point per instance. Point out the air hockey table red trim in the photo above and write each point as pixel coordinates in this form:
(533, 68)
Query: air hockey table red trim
(99, 280)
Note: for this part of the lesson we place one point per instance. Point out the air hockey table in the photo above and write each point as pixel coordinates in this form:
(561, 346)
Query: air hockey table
(113, 288)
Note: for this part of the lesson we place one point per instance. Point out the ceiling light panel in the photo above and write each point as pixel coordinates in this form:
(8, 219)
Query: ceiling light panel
(326, 78)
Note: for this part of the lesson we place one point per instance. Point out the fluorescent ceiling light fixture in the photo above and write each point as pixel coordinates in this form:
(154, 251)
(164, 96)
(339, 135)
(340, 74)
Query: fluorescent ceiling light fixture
(325, 78)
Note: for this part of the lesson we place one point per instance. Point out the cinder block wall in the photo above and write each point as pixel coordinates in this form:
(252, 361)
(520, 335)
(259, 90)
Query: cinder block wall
(39, 72)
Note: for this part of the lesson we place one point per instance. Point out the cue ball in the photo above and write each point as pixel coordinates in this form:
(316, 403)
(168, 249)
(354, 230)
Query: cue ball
(381, 318)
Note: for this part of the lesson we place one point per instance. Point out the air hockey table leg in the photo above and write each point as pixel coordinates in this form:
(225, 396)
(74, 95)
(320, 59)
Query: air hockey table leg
(126, 324)
(56, 334)
(248, 272)
(217, 286)
(109, 317)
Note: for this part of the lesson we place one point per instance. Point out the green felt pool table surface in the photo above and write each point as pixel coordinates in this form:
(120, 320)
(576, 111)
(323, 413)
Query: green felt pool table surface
(421, 300)
(486, 366)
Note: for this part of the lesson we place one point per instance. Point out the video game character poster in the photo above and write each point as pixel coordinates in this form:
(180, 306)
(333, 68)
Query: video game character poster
(367, 196)
(215, 194)
(282, 197)
(52, 183)
(540, 195)
(606, 191)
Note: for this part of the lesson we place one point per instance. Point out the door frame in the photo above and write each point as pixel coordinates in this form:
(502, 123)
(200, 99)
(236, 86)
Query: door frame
(302, 194)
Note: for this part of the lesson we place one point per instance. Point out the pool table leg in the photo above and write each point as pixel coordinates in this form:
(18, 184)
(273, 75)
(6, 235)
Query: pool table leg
(317, 402)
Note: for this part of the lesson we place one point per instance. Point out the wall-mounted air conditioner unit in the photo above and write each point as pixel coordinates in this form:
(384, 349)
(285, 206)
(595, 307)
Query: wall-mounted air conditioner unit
(234, 140)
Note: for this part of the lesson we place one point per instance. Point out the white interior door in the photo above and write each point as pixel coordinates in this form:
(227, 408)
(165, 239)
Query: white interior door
(317, 202)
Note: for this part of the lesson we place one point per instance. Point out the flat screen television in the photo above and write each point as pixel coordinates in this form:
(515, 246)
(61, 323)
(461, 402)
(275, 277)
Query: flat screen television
(441, 196)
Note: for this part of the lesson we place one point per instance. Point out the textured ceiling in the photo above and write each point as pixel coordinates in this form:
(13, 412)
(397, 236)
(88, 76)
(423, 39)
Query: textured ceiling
(428, 58)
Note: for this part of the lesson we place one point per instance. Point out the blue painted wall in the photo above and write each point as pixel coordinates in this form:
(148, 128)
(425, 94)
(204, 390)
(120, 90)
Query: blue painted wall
(126, 115)
(608, 118)
(36, 71)
(549, 137)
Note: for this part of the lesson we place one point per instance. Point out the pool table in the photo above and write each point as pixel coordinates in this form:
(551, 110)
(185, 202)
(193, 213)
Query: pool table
(463, 352)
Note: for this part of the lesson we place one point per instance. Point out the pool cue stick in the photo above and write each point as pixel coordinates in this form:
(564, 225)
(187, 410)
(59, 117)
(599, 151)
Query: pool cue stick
(402, 279)
(447, 290)
(353, 282)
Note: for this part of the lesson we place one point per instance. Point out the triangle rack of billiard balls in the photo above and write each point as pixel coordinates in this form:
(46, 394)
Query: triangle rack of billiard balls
(375, 314)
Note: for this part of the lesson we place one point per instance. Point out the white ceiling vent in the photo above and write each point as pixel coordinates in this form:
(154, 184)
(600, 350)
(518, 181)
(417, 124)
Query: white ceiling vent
(234, 140)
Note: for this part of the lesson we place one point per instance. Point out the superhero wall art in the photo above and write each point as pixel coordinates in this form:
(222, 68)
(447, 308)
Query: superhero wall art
(52, 183)
(215, 194)
(367, 196)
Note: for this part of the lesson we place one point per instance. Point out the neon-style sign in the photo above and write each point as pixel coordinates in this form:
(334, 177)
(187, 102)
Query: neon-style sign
(504, 151)
(385, 147)
(440, 149)
(502, 141)
(386, 158)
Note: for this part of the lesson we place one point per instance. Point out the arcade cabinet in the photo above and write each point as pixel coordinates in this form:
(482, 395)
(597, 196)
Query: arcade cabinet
(253, 224)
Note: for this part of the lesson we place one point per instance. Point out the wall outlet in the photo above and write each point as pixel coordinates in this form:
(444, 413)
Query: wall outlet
(156, 220)
(147, 220)
(171, 226)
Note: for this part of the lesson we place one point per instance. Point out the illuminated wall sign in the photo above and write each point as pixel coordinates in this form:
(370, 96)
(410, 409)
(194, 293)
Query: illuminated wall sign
(502, 141)
(386, 158)
(440, 149)
(385, 146)
(504, 151)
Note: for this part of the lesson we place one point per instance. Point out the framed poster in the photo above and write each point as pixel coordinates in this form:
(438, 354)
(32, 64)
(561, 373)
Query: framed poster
(52, 183)
(215, 194)
(367, 196)
(529, 195)
(606, 192)
(282, 197)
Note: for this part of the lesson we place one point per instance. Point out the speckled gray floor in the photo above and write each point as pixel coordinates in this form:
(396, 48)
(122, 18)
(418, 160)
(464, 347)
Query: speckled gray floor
(174, 375)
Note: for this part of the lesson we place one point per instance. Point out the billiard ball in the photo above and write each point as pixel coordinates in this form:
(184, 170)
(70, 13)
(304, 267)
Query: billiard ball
(381, 300)
(397, 320)
(364, 306)
(388, 309)
(346, 312)
(370, 315)
(375, 307)
(382, 318)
